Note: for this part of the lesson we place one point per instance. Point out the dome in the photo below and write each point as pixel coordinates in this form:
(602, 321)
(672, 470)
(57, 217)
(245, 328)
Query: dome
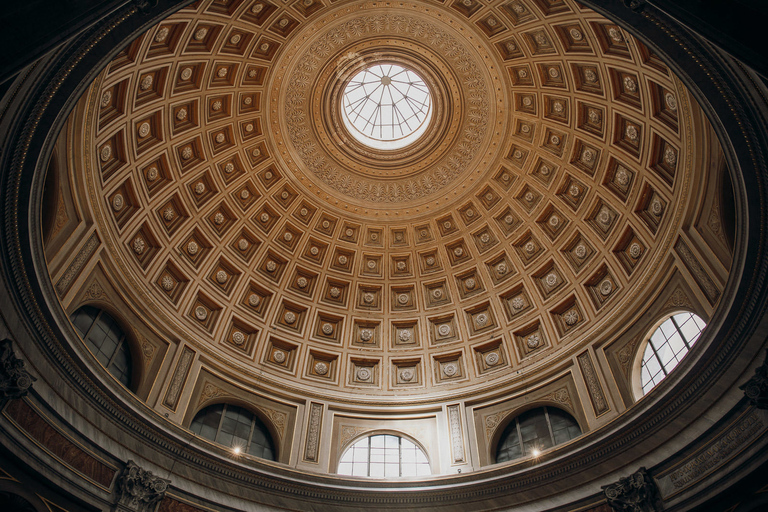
(320, 229)
(242, 216)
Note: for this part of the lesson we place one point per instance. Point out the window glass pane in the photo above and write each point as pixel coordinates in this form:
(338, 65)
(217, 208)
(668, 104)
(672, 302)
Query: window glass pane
(360, 470)
(224, 438)
(669, 341)
(409, 469)
(690, 331)
(564, 426)
(534, 429)
(652, 363)
(509, 444)
(384, 456)
(392, 470)
(206, 422)
(377, 470)
(668, 328)
(83, 319)
(234, 429)
(106, 340)
(665, 352)
(676, 343)
(261, 441)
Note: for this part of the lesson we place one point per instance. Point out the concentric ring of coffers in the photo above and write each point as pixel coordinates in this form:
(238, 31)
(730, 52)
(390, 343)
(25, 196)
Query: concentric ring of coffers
(221, 237)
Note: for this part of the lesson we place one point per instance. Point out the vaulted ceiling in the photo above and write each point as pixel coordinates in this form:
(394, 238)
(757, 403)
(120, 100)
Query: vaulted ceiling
(529, 221)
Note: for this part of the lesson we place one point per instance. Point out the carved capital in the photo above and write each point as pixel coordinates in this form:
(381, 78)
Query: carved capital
(756, 388)
(138, 490)
(634, 493)
(15, 380)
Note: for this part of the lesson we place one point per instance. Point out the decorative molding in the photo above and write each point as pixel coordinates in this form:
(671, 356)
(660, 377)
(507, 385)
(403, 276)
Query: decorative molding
(147, 349)
(348, 433)
(634, 493)
(138, 490)
(62, 448)
(700, 275)
(596, 394)
(313, 431)
(171, 399)
(492, 422)
(301, 133)
(211, 391)
(561, 397)
(756, 388)
(457, 440)
(625, 355)
(15, 380)
(95, 293)
(714, 221)
(278, 419)
(678, 299)
(61, 216)
(77, 264)
(730, 442)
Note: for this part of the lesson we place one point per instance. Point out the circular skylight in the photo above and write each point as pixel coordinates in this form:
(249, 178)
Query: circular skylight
(386, 106)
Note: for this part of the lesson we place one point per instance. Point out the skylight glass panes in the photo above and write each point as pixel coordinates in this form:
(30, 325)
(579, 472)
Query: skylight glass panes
(386, 106)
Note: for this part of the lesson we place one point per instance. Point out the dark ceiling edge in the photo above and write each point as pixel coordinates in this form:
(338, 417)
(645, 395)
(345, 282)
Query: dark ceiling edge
(38, 119)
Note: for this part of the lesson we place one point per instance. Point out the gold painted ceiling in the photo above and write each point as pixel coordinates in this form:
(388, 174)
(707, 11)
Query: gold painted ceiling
(529, 222)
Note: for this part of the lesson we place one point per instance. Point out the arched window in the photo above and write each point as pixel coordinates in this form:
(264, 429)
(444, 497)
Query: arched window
(667, 346)
(106, 340)
(235, 427)
(384, 456)
(534, 431)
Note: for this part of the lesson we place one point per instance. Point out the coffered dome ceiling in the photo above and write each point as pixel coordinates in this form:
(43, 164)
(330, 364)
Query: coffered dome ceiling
(531, 219)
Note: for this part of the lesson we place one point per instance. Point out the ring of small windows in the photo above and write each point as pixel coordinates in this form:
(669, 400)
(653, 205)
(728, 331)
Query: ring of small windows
(384, 456)
(236, 428)
(106, 340)
(535, 430)
(667, 346)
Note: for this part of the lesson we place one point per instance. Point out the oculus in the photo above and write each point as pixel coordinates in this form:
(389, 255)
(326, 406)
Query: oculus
(386, 106)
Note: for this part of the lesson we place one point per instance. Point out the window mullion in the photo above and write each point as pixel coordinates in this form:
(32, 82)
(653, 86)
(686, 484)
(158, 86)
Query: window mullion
(221, 422)
(519, 437)
(368, 459)
(250, 435)
(680, 332)
(549, 426)
(117, 349)
(656, 355)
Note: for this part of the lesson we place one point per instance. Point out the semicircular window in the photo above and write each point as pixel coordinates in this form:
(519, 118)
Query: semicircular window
(106, 339)
(236, 428)
(535, 431)
(667, 346)
(384, 456)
